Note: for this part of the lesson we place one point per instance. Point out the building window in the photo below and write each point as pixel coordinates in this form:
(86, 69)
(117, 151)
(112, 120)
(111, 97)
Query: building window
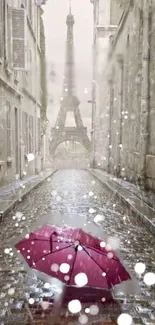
(25, 131)
(30, 134)
(8, 128)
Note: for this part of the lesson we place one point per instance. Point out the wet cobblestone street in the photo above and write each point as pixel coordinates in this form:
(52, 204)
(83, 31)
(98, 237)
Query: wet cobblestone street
(74, 196)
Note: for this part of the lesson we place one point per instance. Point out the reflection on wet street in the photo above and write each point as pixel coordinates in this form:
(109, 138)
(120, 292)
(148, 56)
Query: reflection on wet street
(74, 194)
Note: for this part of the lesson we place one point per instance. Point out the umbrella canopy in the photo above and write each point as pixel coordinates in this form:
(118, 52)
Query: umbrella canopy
(72, 256)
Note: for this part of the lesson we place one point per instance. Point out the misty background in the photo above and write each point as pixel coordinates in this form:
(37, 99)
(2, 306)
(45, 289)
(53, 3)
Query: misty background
(54, 16)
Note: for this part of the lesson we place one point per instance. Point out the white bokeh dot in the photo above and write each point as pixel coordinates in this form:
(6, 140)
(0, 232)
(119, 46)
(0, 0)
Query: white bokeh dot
(140, 268)
(44, 305)
(149, 278)
(94, 310)
(83, 319)
(64, 268)
(54, 267)
(70, 256)
(102, 244)
(31, 301)
(110, 255)
(81, 279)
(99, 218)
(124, 319)
(11, 291)
(66, 277)
(74, 306)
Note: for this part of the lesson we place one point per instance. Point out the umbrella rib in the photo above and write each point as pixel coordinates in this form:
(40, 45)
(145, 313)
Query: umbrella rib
(54, 241)
(72, 267)
(94, 261)
(58, 250)
(101, 253)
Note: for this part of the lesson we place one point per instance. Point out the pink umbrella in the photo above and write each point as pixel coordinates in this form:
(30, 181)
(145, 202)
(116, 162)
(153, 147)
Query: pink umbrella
(71, 255)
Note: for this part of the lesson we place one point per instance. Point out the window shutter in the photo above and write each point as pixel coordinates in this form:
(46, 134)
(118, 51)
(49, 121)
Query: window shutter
(39, 136)
(25, 131)
(18, 38)
(8, 33)
(8, 128)
(2, 29)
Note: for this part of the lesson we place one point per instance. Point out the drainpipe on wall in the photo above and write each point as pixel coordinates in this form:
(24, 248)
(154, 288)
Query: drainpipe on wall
(120, 108)
(145, 94)
(110, 83)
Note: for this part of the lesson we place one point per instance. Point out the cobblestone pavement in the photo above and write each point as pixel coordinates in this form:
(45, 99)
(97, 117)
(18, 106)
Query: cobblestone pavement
(74, 196)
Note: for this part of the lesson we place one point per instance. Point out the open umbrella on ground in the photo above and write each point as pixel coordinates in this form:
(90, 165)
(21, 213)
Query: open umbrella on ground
(74, 257)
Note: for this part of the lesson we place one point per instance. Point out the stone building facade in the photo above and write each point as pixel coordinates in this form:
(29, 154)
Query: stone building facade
(20, 89)
(125, 112)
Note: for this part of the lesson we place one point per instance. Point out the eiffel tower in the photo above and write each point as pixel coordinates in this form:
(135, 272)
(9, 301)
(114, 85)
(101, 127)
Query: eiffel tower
(69, 101)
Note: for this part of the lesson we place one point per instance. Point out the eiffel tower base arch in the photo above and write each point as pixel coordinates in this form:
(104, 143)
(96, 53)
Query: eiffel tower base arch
(69, 134)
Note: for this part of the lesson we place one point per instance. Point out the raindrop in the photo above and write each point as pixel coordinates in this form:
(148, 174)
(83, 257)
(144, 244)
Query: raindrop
(48, 179)
(94, 310)
(16, 224)
(103, 299)
(81, 279)
(58, 198)
(74, 306)
(16, 177)
(44, 305)
(28, 257)
(47, 285)
(110, 255)
(124, 319)
(66, 278)
(31, 301)
(79, 246)
(103, 274)
(54, 193)
(19, 215)
(83, 319)
(55, 267)
(23, 218)
(140, 268)
(14, 217)
(93, 182)
(87, 310)
(30, 157)
(91, 194)
(102, 244)
(64, 268)
(113, 242)
(70, 256)
(99, 217)
(91, 211)
(149, 278)
(7, 250)
(11, 291)
(27, 236)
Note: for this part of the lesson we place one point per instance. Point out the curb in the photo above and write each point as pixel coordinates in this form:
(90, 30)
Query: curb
(24, 195)
(131, 200)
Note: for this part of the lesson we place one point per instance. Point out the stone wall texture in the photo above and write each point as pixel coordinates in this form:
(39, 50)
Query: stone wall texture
(128, 93)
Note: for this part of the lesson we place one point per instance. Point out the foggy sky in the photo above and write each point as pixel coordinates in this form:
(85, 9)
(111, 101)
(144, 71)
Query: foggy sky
(55, 12)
